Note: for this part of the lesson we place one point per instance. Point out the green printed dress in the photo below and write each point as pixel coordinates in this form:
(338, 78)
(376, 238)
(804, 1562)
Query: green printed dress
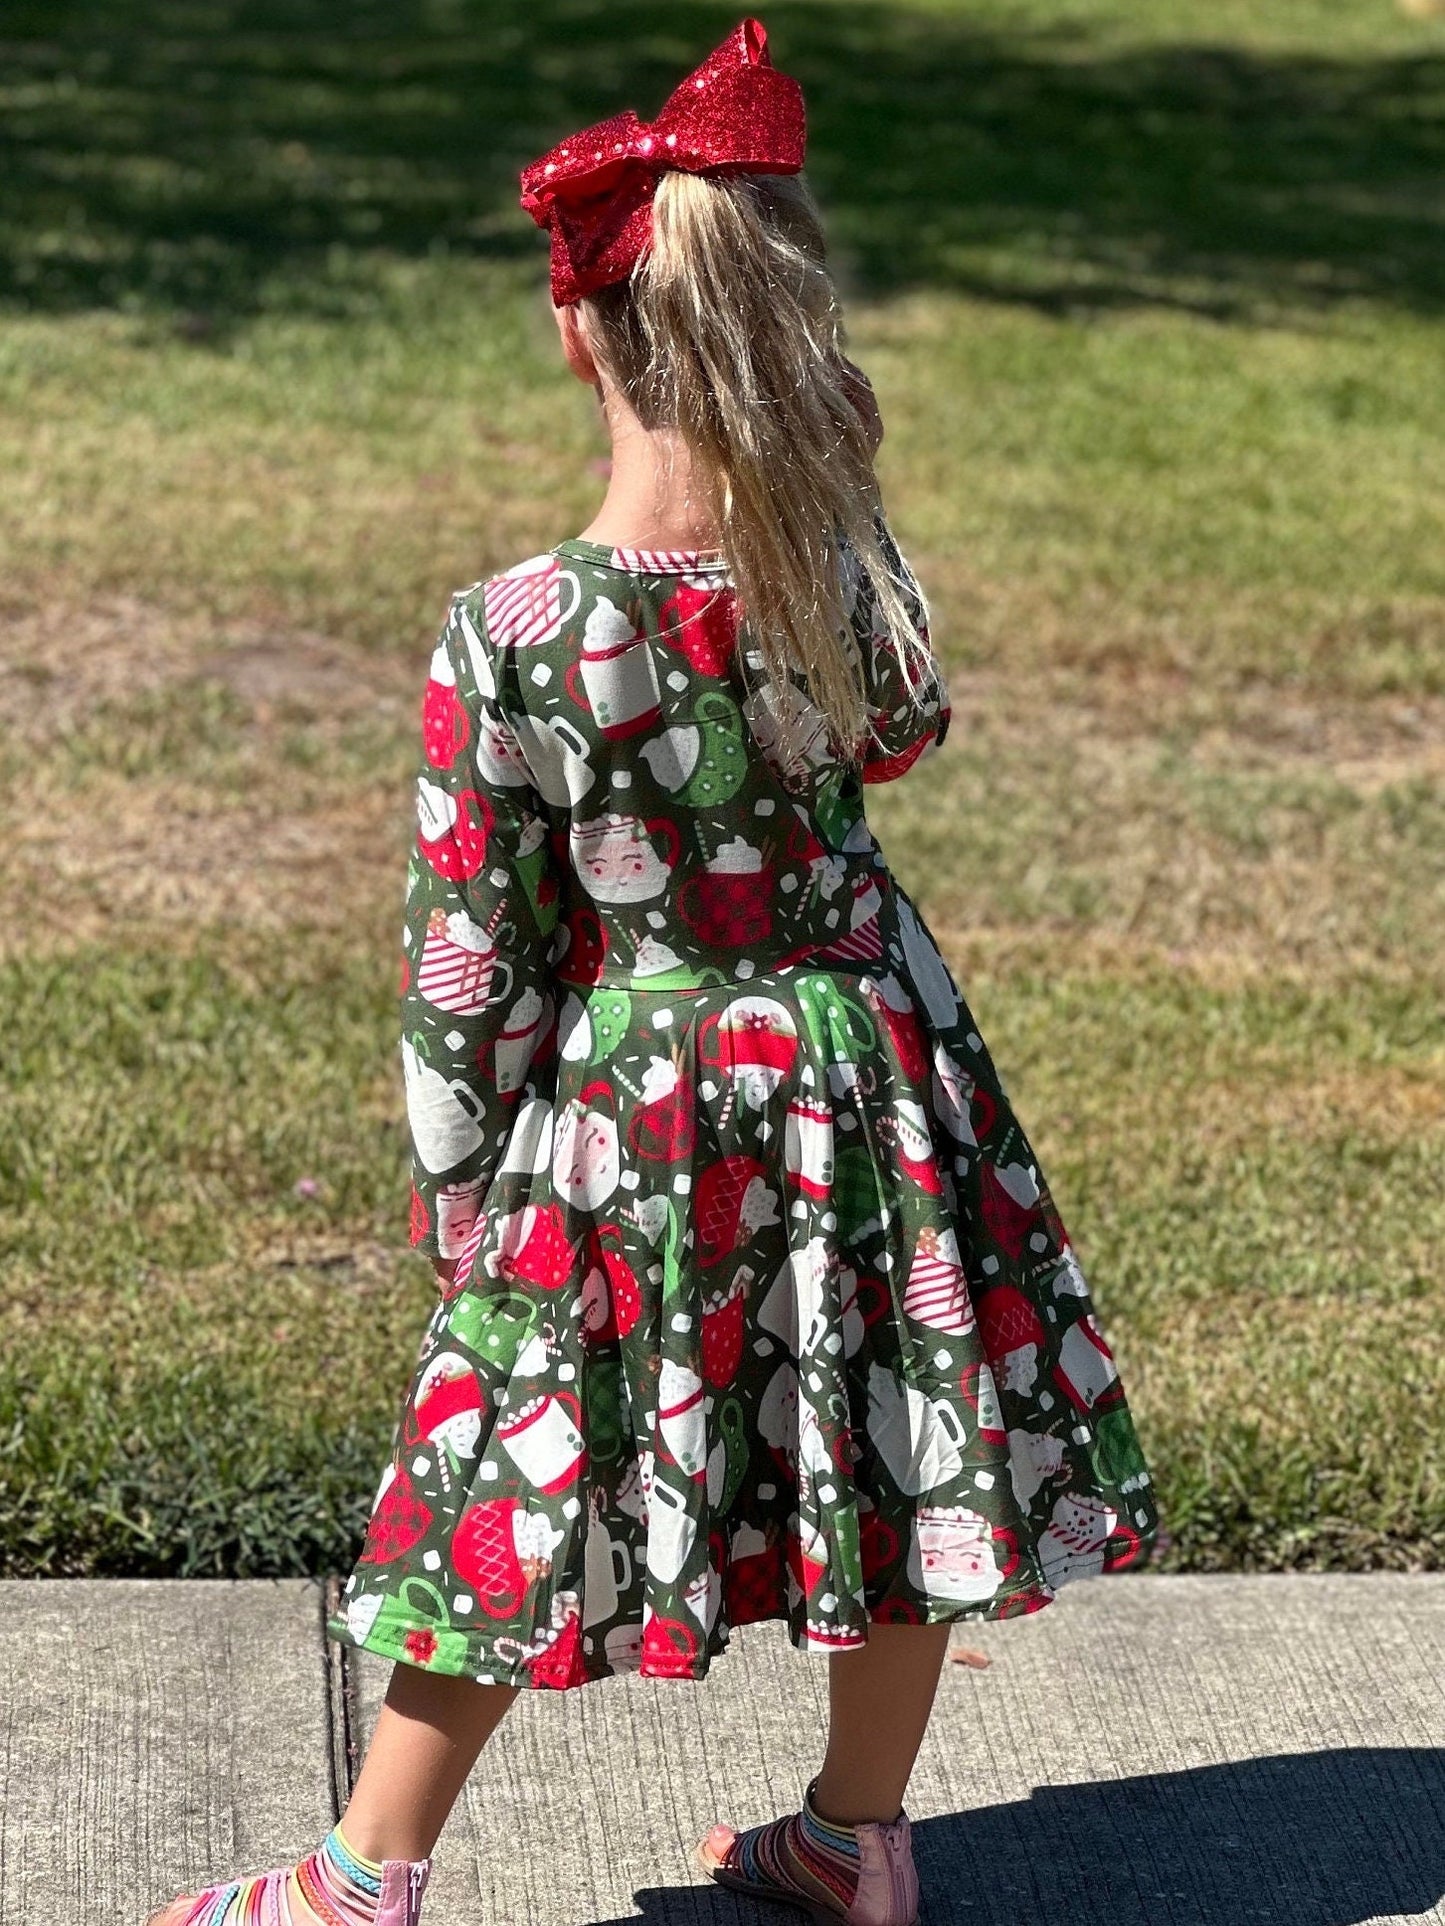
(762, 1305)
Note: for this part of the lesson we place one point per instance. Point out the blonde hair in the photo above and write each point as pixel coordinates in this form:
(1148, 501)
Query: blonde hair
(729, 330)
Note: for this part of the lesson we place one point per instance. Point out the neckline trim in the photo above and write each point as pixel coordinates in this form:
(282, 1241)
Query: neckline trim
(643, 561)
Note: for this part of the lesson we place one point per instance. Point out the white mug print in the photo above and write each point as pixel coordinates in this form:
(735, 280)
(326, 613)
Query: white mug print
(673, 755)
(607, 1567)
(919, 1441)
(682, 1416)
(444, 1116)
(556, 753)
(529, 1141)
(671, 1530)
(927, 969)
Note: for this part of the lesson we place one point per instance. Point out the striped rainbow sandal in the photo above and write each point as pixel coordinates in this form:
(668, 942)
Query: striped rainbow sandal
(334, 1886)
(862, 1875)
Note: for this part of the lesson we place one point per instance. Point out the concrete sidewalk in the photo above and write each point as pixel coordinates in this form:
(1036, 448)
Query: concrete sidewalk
(1210, 1751)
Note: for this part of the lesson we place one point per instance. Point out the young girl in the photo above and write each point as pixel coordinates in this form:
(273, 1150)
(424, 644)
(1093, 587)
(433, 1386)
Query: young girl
(754, 1301)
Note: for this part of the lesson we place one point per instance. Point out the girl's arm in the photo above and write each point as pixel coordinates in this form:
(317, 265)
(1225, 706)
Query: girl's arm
(482, 901)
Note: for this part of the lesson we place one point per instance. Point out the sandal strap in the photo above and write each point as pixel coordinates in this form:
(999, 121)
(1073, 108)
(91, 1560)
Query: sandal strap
(799, 1854)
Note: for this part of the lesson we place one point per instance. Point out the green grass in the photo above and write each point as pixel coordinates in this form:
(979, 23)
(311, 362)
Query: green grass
(1152, 298)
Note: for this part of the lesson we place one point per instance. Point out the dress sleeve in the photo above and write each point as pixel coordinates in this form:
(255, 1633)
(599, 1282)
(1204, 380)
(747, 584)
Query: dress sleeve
(908, 717)
(478, 1006)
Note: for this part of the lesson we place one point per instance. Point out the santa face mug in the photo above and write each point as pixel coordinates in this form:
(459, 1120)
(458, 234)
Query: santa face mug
(952, 1554)
(615, 858)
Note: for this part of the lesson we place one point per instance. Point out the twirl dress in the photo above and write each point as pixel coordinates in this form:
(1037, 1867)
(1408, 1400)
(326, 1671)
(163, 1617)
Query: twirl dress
(763, 1307)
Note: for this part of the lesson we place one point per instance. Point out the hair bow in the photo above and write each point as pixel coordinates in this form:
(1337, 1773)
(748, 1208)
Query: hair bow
(736, 114)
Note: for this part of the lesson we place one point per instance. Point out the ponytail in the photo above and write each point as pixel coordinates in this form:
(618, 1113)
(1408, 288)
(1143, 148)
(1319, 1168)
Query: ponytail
(729, 330)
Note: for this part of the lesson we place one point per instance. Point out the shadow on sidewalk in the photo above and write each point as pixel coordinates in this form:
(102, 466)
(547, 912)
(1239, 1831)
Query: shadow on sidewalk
(1312, 1839)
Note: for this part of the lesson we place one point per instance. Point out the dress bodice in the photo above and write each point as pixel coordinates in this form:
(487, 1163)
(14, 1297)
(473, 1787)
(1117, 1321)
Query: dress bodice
(611, 794)
(698, 824)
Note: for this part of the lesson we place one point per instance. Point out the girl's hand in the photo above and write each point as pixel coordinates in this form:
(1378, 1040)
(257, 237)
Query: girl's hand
(446, 1270)
(859, 390)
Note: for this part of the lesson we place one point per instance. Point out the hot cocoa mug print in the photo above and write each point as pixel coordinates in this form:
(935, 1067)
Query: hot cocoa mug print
(515, 1045)
(452, 832)
(460, 965)
(444, 1116)
(499, 755)
(952, 1554)
(444, 720)
(617, 675)
(556, 752)
(457, 1207)
(681, 1417)
(543, 1440)
(671, 1529)
(730, 901)
(607, 1566)
(920, 1442)
(615, 858)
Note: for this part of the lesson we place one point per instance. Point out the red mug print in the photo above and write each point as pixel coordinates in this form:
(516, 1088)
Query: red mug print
(728, 909)
(452, 836)
(1122, 1548)
(878, 1543)
(444, 724)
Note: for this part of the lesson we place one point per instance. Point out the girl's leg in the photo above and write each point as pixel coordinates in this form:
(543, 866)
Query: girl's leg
(848, 1852)
(428, 1734)
(427, 1738)
(431, 1729)
(879, 1701)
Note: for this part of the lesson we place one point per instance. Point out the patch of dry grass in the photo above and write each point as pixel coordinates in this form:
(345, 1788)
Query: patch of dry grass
(1220, 1062)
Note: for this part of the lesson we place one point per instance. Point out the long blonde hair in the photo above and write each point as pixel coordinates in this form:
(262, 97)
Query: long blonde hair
(729, 330)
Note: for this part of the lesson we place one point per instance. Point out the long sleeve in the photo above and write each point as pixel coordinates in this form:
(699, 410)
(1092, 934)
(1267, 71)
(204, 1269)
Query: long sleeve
(907, 719)
(483, 896)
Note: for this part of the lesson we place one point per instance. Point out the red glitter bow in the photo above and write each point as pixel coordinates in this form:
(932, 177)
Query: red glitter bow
(736, 114)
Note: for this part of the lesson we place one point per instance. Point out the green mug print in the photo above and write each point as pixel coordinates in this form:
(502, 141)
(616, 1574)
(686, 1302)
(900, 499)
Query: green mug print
(495, 1325)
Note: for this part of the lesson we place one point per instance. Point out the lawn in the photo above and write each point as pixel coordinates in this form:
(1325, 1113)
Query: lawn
(1153, 297)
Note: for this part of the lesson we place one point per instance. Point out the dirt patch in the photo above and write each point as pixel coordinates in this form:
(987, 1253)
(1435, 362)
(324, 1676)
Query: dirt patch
(59, 665)
(129, 858)
(157, 853)
(308, 676)
(55, 663)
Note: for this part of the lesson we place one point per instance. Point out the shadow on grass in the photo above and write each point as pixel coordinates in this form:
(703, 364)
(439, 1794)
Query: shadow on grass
(1315, 1838)
(210, 157)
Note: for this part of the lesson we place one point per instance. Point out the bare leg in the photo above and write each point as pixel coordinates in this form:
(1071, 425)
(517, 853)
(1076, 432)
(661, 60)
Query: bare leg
(879, 1700)
(428, 1735)
(880, 1696)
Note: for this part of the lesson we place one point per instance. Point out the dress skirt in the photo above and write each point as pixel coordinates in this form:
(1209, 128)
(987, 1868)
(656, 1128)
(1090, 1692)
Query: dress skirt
(769, 1314)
